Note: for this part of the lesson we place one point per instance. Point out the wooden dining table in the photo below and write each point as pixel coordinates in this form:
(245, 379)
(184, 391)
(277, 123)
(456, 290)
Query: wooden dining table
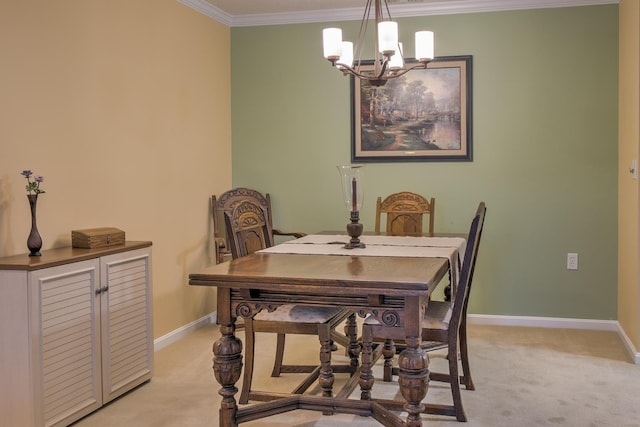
(393, 289)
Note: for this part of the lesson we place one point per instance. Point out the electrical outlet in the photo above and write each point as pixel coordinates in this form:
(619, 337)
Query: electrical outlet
(572, 261)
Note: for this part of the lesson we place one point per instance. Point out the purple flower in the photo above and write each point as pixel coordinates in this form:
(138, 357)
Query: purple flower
(32, 187)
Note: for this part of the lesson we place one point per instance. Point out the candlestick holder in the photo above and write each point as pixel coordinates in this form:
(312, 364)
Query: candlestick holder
(352, 193)
(355, 231)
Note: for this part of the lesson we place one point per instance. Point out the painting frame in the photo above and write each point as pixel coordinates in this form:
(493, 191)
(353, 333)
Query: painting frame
(438, 128)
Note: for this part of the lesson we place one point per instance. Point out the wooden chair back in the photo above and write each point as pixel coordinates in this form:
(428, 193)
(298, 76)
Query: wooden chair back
(405, 213)
(461, 295)
(226, 202)
(248, 229)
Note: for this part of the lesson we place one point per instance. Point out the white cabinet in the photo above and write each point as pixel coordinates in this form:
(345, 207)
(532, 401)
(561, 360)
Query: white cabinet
(75, 331)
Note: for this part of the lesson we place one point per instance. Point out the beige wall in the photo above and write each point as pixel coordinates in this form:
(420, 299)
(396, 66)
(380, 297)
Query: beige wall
(123, 106)
(629, 139)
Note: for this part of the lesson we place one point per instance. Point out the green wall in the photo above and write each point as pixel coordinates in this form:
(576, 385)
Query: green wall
(544, 144)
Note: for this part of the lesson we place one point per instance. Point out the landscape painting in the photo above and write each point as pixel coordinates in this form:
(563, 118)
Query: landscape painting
(424, 115)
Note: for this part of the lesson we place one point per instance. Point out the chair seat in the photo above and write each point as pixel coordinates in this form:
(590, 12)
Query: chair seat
(436, 316)
(292, 313)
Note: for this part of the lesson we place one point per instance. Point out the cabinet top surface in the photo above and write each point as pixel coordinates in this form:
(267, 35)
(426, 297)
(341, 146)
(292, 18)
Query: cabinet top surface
(59, 256)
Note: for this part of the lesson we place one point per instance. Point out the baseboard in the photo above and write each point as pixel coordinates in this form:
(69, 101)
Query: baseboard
(477, 319)
(543, 322)
(556, 322)
(631, 349)
(173, 336)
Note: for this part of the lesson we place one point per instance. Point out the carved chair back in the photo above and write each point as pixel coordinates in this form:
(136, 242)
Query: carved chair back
(405, 213)
(226, 202)
(248, 229)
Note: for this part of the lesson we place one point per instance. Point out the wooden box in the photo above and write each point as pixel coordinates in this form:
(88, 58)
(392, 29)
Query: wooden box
(97, 237)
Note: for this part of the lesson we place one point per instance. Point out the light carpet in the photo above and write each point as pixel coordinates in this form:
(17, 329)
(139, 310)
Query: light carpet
(523, 376)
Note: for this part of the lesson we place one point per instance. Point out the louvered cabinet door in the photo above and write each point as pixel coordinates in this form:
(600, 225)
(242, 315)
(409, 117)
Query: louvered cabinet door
(127, 337)
(65, 319)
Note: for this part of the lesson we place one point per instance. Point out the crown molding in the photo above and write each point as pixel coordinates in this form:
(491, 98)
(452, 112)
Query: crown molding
(397, 10)
(209, 10)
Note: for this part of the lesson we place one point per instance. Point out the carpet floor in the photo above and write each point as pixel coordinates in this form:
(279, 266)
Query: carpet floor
(523, 377)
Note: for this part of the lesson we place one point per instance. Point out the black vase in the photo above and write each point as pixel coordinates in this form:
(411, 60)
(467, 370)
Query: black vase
(34, 242)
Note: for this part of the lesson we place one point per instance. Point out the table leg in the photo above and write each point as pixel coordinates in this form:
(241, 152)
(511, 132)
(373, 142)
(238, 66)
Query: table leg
(351, 330)
(227, 362)
(413, 363)
(366, 373)
(227, 366)
(326, 378)
(414, 381)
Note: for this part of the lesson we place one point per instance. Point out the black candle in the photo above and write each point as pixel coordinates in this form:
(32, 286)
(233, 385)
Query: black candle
(354, 195)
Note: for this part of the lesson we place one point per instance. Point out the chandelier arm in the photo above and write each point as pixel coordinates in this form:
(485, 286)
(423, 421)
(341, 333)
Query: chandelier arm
(385, 64)
(367, 77)
(360, 41)
(386, 4)
(376, 49)
(422, 65)
(346, 69)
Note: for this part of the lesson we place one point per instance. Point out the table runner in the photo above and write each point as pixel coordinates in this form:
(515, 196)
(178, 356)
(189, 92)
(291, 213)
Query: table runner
(451, 248)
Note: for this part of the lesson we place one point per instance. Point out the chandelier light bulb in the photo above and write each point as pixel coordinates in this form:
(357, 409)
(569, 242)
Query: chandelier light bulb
(424, 46)
(387, 37)
(332, 43)
(396, 62)
(346, 58)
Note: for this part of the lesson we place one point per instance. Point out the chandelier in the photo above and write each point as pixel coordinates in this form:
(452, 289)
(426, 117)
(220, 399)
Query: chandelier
(388, 62)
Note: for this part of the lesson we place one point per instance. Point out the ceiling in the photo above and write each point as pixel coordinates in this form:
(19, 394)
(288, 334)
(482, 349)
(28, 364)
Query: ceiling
(237, 13)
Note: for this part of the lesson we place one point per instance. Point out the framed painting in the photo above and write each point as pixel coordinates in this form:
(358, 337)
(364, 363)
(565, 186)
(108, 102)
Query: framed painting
(424, 115)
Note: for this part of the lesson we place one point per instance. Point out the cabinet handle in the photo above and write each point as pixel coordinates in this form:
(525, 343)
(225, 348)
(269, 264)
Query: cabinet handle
(101, 290)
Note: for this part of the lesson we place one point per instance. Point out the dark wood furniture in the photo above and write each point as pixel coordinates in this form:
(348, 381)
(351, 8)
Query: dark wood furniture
(225, 202)
(395, 290)
(444, 325)
(248, 230)
(405, 213)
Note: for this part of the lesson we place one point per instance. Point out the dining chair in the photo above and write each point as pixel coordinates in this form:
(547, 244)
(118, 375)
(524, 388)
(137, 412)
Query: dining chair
(249, 230)
(405, 213)
(444, 326)
(225, 202)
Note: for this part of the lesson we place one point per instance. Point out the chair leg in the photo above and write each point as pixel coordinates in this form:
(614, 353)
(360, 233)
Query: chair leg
(249, 353)
(388, 351)
(326, 378)
(464, 356)
(277, 365)
(454, 381)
